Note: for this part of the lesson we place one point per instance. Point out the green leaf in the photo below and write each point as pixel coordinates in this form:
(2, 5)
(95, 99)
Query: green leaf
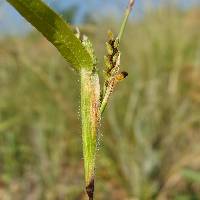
(56, 30)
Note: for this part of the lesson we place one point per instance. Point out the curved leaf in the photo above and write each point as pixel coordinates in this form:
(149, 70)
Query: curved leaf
(54, 28)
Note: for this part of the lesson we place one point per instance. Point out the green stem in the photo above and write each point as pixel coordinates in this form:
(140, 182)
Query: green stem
(103, 105)
(107, 94)
(125, 19)
(90, 94)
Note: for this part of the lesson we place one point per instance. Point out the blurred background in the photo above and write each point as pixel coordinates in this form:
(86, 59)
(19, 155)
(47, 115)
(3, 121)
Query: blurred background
(149, 145)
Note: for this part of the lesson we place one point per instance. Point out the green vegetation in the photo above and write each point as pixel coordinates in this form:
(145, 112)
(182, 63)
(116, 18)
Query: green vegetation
(150, 148)
(54, 28)
(80, 54)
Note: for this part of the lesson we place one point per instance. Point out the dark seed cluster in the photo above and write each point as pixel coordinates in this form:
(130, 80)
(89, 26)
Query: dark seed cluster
(112, 59)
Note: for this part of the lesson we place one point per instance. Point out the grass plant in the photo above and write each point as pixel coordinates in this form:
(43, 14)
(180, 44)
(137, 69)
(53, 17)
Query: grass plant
(79, 53)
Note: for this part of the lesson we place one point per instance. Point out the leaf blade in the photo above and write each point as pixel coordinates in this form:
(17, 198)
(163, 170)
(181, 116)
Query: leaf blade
(56, 30)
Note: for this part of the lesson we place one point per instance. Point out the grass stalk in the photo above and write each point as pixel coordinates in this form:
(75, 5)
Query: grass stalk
(125, 19)
(90, 94)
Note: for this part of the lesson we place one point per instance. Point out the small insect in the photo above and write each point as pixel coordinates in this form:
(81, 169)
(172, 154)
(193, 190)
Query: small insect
(121, 76)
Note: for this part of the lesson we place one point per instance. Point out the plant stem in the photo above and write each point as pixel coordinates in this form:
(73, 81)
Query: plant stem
(90, 94)
(107, 94)
(125, 19)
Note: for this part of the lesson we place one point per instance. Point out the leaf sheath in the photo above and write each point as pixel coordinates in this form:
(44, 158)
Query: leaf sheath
(90, 93)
